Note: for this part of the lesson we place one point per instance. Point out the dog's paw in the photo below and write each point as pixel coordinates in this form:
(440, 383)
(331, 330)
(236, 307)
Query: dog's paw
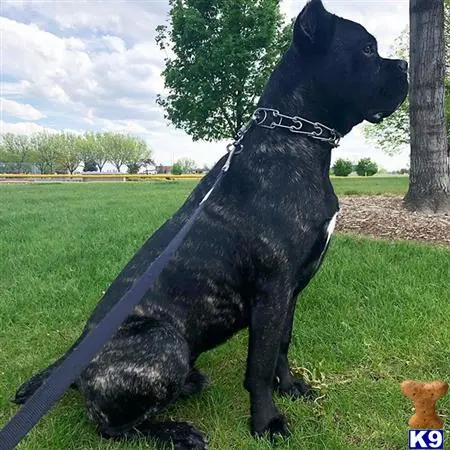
(189, 439)
(276, 428)
(297, 389)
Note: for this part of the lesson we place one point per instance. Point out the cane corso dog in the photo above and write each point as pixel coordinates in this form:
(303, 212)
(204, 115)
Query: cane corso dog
(257, 243)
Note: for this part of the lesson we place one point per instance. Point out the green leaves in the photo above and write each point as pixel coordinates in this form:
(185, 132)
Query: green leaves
(342, 167)
(115, 148)
(177, 169)
(16, 150)
(223, 53)
(69, 147)
(185, 165)
(137, 153)
(366, 167)
(46, 151)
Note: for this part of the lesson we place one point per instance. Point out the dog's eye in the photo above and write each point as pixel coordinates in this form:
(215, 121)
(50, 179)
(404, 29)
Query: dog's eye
(369, 50)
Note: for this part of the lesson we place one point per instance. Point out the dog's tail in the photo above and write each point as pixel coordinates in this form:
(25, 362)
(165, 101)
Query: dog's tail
(29, 387)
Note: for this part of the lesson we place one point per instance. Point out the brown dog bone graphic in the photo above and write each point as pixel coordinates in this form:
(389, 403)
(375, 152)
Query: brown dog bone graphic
(424, 396)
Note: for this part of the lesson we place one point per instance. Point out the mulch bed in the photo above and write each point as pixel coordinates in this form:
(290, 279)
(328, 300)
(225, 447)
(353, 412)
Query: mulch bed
(385, 217)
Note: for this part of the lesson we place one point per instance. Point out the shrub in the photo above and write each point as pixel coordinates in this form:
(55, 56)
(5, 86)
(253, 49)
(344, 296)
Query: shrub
(89, 165)
(177, 169)
(342, 167)
(133, 167)
(366, 167)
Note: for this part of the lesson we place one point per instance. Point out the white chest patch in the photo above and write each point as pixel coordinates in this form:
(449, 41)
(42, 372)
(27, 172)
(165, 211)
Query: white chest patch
(329, 232)
(330, 228)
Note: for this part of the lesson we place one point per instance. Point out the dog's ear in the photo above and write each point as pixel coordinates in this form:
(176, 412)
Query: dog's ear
(314, 27)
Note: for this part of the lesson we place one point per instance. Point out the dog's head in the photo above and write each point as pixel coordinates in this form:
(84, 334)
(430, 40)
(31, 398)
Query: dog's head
(347, 68)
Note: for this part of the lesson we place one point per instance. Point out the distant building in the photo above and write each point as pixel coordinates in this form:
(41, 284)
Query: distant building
(148, 167)
(163, 169)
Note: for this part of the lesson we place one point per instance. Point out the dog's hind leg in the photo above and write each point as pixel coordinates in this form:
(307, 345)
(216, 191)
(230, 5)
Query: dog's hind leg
(140, 372)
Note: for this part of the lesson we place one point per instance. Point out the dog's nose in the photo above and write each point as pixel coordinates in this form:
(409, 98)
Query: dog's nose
(402, 65)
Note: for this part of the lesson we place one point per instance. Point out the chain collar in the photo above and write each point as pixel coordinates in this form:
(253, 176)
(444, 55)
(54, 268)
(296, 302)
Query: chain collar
(271, 118)
(294, 124)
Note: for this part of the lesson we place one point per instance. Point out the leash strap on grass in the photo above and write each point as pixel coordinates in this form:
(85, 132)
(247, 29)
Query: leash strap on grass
(69, 370)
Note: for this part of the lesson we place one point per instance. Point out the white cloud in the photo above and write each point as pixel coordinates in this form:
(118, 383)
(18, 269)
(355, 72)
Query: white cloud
(14, 89)
(66, 72)
(131, 19)
(136, 104)
(114, 43)
(51, 66)
(38, 55)
(20, 110)
(24, 128)
(126, 126)
(32, 127)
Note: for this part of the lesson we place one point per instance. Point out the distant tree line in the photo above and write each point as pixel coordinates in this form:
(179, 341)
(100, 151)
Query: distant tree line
(65, 152)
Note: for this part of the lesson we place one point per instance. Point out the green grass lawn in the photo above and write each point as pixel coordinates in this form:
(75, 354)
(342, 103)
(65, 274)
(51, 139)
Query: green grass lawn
(370, 185)
(377, 313)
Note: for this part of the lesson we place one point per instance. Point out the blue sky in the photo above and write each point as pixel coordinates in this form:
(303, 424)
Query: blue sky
(94, 65)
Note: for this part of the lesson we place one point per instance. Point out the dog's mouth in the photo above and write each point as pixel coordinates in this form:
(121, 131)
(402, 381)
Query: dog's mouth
(378, 116)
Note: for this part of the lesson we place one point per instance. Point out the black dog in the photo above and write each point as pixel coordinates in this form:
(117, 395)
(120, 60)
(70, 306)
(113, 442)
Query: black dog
(256, 245)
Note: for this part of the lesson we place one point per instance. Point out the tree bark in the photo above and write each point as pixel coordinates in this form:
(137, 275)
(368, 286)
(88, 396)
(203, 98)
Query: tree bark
(429, 181)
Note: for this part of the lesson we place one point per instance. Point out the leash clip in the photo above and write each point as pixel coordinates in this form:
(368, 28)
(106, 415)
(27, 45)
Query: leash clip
(236, 147)
(231, 149)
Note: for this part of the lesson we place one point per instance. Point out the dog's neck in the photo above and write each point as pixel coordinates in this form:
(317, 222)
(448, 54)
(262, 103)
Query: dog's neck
(300, 151)
(292, 90)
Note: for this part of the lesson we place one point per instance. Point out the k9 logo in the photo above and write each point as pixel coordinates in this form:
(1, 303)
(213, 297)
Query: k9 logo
(418, 439)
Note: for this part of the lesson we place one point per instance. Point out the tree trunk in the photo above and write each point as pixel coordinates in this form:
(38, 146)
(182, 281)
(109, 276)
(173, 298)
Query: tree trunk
(429, 183)
(41, 166)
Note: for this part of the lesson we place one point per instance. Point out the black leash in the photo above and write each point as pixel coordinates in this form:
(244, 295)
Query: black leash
(69, 370)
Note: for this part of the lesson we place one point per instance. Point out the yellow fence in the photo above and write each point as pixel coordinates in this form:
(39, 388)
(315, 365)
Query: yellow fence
(98, 177)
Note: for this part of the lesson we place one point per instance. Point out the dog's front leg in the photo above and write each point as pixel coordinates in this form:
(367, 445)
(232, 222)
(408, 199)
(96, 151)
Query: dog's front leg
(266, 330)
(285, 382)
